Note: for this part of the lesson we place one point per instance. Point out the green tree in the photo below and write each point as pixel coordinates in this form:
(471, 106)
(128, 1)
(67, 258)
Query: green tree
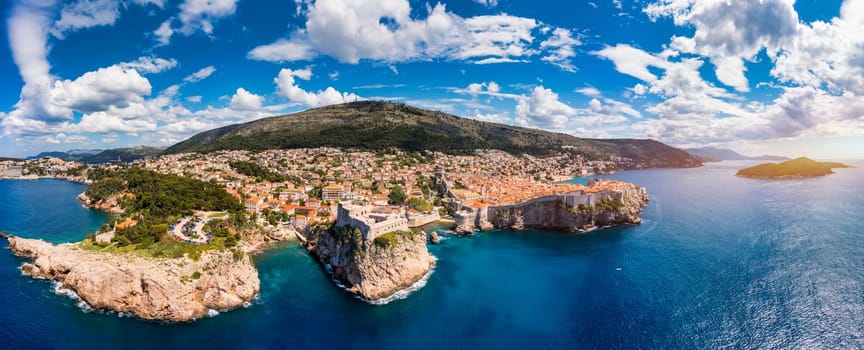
(396, 196)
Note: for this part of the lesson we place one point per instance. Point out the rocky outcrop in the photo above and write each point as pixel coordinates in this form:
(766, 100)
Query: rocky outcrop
(373, 269)
(109, 205)
(565, 213)
(174, 290)
(556, 215)
(434, 238)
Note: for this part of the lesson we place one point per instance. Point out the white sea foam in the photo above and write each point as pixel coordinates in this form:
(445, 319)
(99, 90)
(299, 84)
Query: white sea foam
(402, 294)
(59, 289)
(212, 313)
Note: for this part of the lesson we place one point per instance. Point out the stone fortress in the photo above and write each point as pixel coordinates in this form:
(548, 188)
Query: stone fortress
(369, 220)
(571, 210)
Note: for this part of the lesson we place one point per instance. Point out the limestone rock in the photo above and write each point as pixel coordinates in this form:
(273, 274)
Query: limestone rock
(149, 288)
(433, 238)
(374, 270)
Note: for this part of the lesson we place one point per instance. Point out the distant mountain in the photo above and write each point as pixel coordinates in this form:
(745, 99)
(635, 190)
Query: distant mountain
(379, 125)
(717, 154)
(121, 155)
(70, 155)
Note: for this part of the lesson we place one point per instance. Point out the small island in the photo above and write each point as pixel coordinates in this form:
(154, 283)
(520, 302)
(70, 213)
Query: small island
(798, 168)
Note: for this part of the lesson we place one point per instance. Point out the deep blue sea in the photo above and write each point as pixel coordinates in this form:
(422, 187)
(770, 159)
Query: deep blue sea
(719, 262)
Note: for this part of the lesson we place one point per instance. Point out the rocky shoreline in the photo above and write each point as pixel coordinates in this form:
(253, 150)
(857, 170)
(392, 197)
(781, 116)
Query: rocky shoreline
(374, 270)
(557, 213)
(176, 290)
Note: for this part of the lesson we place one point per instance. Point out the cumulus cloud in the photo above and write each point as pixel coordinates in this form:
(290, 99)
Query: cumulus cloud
(86, 14)
(100, 89)
(387, 31)
(543, 109)
(730, 32)
(826, 53)
(200, 14)
(195, 16)
(561, 49)
(286, 83)
(693, 111)
(83, 14)
(108, 101)
(246, 101)
(200, 75)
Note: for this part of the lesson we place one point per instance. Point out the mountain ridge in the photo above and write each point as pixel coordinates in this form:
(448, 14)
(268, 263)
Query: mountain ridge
(719, 154)
(379, 125)
(97, 156)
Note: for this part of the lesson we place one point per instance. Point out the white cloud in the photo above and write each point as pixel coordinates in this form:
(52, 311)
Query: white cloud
(500, 118)
(632, 61)
(86, 14)
(164, 33)
(589, 91)
(200, 75)
(246, 101)
(194, 99)
(195, 16)
(150, 64)
(543, 109)
(489, 3)
(283, 51)
(561, 45)
(490, 88)
(730, 32)
(386, 30)
(100, 89)
(158, 3)
(286, 83)
(826, 54)
(199, 14)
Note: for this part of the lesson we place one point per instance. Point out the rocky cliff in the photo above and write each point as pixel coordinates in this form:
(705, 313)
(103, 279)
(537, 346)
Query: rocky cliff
(555, 216)
(560, 213)
(373, 269)
(108, 205)
(174, 290)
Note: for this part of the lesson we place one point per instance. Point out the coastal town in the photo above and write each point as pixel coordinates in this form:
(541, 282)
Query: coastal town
(379, 191)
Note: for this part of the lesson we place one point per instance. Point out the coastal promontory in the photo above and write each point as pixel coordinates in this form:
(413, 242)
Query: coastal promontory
(793, 169)
(168, 289)
(377, 268)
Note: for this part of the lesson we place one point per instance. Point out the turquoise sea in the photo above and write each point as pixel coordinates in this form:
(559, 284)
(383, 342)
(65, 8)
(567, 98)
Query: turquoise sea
(719, 262)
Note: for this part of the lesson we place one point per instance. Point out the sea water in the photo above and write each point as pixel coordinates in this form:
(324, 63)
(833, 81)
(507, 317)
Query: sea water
(719, 261)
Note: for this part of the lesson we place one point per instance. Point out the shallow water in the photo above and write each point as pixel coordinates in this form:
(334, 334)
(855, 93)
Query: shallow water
(718, 262)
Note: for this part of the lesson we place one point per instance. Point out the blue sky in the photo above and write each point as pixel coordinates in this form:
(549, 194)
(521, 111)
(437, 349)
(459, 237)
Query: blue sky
(771, 76)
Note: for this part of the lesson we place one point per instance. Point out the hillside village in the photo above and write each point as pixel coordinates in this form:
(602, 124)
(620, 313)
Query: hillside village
(298, 188)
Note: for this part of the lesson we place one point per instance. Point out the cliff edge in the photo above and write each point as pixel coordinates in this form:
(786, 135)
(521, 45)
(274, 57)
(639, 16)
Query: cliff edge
(174, 290)
(572, 212)
(373, 269)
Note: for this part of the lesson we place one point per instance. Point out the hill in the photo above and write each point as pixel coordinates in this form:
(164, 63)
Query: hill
(122, 155)
(793, 169)
(379, 125)
(70, 155)
(718, 154)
